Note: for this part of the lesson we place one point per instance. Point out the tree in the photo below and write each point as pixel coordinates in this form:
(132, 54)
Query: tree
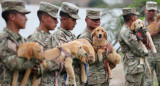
(97, 3)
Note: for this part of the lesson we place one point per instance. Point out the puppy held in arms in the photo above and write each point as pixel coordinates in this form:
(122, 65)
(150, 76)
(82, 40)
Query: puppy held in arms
(67, 52)
(101, 45)
(29, 51)
(145, 40)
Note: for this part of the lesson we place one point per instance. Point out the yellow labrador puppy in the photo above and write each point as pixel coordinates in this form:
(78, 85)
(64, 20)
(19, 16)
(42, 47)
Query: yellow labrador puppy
(67, 52)
(137, 26)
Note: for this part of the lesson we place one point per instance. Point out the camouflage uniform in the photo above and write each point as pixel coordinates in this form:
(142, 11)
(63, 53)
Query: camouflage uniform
(65, 36)
(153, 59)
(132, 51)
(47, 41)
(9, 42)
(97, 70)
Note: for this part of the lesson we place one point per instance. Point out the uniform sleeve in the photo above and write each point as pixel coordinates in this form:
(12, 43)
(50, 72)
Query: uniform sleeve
(131, 40)
(52, 66)
(11, 60)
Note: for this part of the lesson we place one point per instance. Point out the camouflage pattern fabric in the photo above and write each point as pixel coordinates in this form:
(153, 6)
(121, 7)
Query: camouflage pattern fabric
(129, 11)
(47, 41)
(153, 60)
(64, 36)
(93, 14)
(9, 61)
(96, 73)
(132, 51)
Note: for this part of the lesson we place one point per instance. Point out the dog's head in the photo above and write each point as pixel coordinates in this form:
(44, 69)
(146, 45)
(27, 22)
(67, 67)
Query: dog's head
(30, 50)
(137, 25)
(100, 33)
(79, 52)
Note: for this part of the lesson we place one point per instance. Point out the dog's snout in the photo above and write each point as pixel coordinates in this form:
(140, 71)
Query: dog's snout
(141, 27)
(85, 54)
(100, 35)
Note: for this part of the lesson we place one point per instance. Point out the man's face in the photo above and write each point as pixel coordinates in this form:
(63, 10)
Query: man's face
(51, 22)
(92, 23)
(69, 23)
(150, 13)
(20, 20)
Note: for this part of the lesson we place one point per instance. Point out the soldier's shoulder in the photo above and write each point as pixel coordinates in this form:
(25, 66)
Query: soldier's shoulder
(3, 35)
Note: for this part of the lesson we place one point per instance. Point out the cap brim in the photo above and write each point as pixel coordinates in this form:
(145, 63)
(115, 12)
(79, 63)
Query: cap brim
(23, 11)
(54, 16)
(94, 17)
(75, 16)
(136, 13)
(151, 8)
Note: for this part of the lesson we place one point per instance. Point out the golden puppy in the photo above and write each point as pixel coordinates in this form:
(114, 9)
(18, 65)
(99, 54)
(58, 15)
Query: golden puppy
(153, 28)
(67, 52)
(90, 57)
(100, 45)
(28, 51)
(137, 26)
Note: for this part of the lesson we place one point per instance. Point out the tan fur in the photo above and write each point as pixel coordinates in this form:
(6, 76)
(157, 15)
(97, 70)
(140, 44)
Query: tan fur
(90, 58)
(101, 41)
(137, 25)
(28, 51)
(73, 48)
(153, 26)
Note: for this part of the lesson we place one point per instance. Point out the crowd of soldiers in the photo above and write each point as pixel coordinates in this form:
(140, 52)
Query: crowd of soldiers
(14, 14)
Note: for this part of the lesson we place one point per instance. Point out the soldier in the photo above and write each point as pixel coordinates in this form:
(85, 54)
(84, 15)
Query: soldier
(69, 15)
(47, 15)
(153, 59)
(14, 14)
(132, 51)
(97, 73)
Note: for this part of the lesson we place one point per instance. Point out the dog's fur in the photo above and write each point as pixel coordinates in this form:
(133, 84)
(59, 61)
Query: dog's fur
(152, 28)
(73, 48)
(99, 36)
(29, 51)
(90, 58)
(138, 24)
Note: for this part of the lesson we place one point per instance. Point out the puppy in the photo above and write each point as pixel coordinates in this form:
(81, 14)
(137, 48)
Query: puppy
(100, 45)
(28, 51)
(153, 28)
(67, 52)
(138, 27)
(90, 57)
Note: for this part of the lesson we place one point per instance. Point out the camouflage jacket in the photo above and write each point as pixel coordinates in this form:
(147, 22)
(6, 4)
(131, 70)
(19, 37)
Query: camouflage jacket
(132, 51)
(9, 61)
(156, 41)
(97, 73)
(63, 36)
(46, 41)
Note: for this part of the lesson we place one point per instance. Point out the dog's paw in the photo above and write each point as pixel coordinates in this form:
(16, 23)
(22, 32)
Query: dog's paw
(154, 51)
(140, 66)
(67, 83)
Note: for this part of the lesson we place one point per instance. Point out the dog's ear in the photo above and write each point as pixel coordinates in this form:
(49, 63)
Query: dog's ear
(75, 50)
(93, 33)
(105, 35)
(133, 26)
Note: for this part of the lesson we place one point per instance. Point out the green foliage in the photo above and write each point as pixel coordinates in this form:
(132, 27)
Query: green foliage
(97, 3)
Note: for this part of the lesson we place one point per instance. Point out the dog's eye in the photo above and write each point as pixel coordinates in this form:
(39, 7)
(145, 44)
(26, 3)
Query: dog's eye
(80, 47)
(97, 30)
(102, 31)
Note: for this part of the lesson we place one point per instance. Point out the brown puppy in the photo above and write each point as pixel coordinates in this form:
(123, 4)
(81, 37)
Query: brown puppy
(153, 28)
(137, 26)
(66, 53)
(28, 51)
(100, 44)
(90, 58)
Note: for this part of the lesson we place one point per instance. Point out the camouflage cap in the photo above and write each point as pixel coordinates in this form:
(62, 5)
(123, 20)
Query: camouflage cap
(51, 9)
(70, 9)
(129, 11)
(151, 5)
(93, 14)
(13, 5)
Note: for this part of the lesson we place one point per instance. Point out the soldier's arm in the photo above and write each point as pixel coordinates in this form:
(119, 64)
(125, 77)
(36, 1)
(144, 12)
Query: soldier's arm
(135, 47)
(52, 66)
(11, 60)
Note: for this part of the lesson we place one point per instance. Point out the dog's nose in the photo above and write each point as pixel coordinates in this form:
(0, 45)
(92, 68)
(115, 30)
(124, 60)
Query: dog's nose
(85, 54)
(141, 27)
(100, 35)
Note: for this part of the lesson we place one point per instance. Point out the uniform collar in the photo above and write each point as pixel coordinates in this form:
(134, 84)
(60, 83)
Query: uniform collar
(43, 32)
(14, 35)
(67, 32)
